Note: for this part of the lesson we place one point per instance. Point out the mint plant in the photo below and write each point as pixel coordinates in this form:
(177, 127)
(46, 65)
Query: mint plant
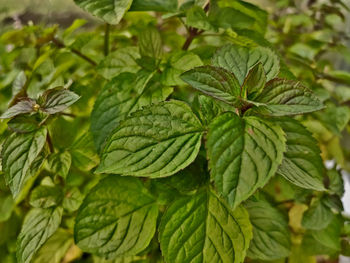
(173, 132)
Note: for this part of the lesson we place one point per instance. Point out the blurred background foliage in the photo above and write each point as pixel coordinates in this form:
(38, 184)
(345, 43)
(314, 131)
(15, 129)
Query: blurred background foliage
(44, 44)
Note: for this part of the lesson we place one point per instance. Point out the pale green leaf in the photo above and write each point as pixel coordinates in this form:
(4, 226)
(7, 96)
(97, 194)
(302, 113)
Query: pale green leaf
(39, 224)
(111, 11)
(55, 248)
(271, 236)
(287, 97)
(59, 163)
(318, 216)
(302, 164)
(121, 60)
(239, 60)
(46, 196)
(244, 153)
(126, 221)
(196, 17)
(203, 228)
(6, 207)
(72, 199)
(18, 154)
(156, 141)
(215, 82)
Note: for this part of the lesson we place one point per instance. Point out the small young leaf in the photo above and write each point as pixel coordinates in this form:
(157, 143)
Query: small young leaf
(271, 236)
(157, 141)
(302, 164)
(286, 97)
(24, 106)
(72, 199)
(206, 108)
(57, 100)
(254, 83)
(39, 224)
(215, 82)
(239, 60)
(244, 153)
(126, 221)
(336, 184)
(318, 216)
(18, 154)
(196, 17)
(46, 196)
(203, 228)
(111, 11)
(59, 163)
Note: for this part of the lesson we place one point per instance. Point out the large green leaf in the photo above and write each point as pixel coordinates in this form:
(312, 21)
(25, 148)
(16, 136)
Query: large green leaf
(111, 11)
(154, 5)
(271, 236)
(156, 141)
(239, 60)
(244, 153)
(123, 95)
(118, 217)
(302, 164)
(215, 82)
(18, 154)
(203, 228)
(318, 216)
(39, 224)
(24, 106)
(121, 60)
(287, 97)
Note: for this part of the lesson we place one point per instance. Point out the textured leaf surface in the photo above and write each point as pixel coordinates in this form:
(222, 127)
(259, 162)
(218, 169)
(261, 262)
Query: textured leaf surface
(118, 217)
(302, 164)
(45, 196)
(254, 82)
(38, 226)
(203, 228)
(239, 60)
(244, 153)
(207, 108)
(122, 96)
(57, 100)
(215, 82)
(150, 43)
(122, 60)
(196, 17)
(59, 163)
(111, 11)
(287, 97)
(23, 106)
(157, 141)
(271, 236)
(18, 154)
(318, 216)
(154, 5)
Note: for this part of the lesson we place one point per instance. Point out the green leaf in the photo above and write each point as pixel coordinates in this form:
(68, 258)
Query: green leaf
(57, 100)
(154, 5)
(336, 184)
(318, 216)
(271, 236)
(6, 207)
(122, 60)
(59, 163)
(178, 63)
(18, 154)
(84, 156)
(55, 248)
(19, 83)
(215, 82)
(23, 124)
(26, 105)
(120, 97)
(150, 43)
(39, 224)
(126, 221)
(196, 17)
(302, 164)
(239, 60)
(203, 228)
(46, 196)
(72, 199)
(157, 141)
(254, 83)
(111, 11)
(287, 97)
(244, 153)
(207, 108)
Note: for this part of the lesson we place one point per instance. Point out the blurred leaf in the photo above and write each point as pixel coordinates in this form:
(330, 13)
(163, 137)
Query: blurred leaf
(59, 163)
(46, 196)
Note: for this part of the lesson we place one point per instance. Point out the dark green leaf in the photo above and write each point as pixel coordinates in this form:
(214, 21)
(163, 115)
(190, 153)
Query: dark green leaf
(126, 221)
(318, 216)
(203, 228)
(24, 106)
(154, 5)
(57, 100)
(254, 83)
(244, 153)
(39, 224)
(157, 141)
(150, 43)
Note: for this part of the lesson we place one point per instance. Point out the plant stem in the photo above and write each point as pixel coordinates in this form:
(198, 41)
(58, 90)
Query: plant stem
(60, 44)
(106, 42)
(193, 32)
